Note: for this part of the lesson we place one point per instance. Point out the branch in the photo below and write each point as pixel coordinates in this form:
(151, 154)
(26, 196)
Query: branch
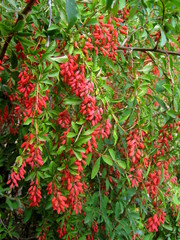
(50, 19)
(148, 50)
(136, 30)
(25, 11)
(163, 10)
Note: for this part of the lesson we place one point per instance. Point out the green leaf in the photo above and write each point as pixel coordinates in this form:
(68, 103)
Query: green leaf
(25, 41)
(121, 164)
(71, 49)
(61, 59)
(71, 161)
(52, 167)
(159, 86)
(95, 168)
(71, 11)
(78, 155)
(19, 161)
(82, 140)
(27, 215)
(107, 160)
(88, 160)
(148, 237)
(9, 203)
(147, 68)
(52, 74)
(60, 150)
(72, 100)
(171, 113)
(122, 4)
(175, 105)
(143, 91)
(108, 4)
(80, 122)
(132, 12)
(75, 127)
(176, 2)
(115, 135)
(161, 102)
(28, 121)
(30, 176)
(113, 154)
(124, 116)
(48, 205)
(168, 88)
(19, 26)
(71, 134)
(167, 227)
(163, 38)
(52, 27)
(88, 132)
(80, 149)
(12, 3)
(176, 200)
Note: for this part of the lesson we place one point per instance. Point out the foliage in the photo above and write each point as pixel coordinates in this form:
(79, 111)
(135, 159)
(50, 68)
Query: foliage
(90, 119)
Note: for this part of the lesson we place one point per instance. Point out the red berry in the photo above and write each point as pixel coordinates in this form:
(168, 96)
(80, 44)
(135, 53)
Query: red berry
(141, 145)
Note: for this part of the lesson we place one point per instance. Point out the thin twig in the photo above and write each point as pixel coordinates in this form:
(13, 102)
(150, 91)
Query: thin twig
(79, 134)
(148, 50)
(50, 19)
(136, 30)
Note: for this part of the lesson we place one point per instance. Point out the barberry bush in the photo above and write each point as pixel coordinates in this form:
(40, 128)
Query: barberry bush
(89, 119)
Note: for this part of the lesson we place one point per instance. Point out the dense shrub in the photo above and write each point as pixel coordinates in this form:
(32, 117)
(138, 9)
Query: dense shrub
(90, 119)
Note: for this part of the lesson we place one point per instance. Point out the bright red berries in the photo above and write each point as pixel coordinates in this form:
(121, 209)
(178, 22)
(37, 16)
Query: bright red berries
(35, 194)
(59, 202)
(64, 119)
(19, 48)
(154, 222)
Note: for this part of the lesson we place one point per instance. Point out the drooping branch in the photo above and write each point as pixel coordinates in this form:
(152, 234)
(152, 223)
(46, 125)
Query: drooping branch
(148, 50)
(21, 16)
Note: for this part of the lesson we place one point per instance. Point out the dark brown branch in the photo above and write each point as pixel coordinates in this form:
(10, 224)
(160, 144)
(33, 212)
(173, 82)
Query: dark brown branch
(148, 50)
(163, 10)
(25, 11)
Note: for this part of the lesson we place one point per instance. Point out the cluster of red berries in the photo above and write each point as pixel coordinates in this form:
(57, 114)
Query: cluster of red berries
(34, 154)
(69, 183)
(135, 146)
(106, 38)
(33, 157)
(100, 131)
(20, 49)
(154, 222)
(74, 77)
(64, 119)
(35, 194)
(28, 105)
